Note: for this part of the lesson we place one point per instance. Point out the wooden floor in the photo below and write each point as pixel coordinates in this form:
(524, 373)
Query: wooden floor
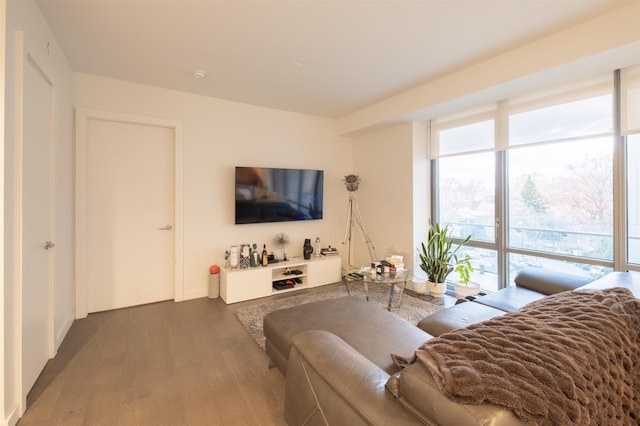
(186, 363)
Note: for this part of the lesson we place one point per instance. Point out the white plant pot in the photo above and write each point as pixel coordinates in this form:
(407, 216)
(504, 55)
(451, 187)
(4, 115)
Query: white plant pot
(419, 285)
(464, 290)
(436, 289)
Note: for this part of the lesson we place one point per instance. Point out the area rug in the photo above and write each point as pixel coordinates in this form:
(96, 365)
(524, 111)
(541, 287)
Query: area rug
(413, 308)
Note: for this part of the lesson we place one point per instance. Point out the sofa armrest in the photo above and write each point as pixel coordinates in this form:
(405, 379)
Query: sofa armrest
(330, 383)
(548, 282)
(630, 280)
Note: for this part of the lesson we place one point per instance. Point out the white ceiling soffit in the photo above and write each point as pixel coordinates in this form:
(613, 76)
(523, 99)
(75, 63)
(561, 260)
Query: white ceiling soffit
(325, 58)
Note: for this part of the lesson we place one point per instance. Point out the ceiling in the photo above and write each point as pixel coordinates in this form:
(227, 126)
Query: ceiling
(328, 58)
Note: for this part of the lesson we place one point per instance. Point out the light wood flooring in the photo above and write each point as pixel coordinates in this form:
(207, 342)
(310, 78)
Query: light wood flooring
(187, 363)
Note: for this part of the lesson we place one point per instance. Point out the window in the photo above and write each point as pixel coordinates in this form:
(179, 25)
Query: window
(466, 184)
(561, 198)
(532, 181)
(467, 202)
(633, 199)
(630, 129)
(560, 182)
(574, 119)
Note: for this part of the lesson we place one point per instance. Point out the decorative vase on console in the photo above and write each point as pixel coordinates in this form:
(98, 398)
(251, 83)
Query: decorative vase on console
(307, 249)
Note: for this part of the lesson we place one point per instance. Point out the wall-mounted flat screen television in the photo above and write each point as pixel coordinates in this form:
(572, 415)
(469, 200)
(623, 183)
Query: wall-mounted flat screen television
(277, 195)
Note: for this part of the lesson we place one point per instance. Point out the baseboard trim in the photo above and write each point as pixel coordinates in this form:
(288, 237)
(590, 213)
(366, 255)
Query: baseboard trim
(12, 417)
(62, 331)
(194, 294)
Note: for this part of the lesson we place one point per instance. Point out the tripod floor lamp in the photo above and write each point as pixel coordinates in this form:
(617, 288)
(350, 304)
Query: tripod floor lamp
(355, 219)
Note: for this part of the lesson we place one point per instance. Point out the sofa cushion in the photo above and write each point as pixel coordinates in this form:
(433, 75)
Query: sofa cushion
(458, 316)
(510, 299)
(372, 331)
(546, 281)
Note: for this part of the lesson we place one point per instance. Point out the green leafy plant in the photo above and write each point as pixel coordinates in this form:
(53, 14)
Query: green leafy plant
(439, 257)
(464, 269)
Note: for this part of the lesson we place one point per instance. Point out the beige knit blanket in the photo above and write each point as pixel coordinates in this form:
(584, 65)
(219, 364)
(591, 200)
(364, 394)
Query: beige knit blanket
(568, 359)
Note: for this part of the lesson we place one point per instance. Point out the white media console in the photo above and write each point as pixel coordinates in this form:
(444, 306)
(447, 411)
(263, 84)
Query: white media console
(237, 285)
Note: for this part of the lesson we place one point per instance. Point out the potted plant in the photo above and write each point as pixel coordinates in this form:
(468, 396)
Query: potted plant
(439, 257)
(464, 286)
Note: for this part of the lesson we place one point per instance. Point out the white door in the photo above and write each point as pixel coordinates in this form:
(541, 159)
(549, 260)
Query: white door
(37, 328)
(130, 223)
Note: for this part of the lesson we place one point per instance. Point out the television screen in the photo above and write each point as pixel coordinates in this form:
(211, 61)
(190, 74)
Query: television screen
(277, 195)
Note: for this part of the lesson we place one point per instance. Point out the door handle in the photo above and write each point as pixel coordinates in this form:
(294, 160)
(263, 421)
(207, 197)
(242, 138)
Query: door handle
(166, 228)
(48, 245)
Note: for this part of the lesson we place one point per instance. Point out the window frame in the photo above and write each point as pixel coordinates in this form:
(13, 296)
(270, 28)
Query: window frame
(500, 113)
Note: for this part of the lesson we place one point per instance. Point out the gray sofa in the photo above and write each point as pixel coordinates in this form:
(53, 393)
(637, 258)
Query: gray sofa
(336, 356)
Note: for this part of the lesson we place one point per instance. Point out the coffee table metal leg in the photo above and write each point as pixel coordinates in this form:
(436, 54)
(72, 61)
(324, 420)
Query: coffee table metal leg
(346, 285)
(404, 286)
(366, 290)
(391, 292)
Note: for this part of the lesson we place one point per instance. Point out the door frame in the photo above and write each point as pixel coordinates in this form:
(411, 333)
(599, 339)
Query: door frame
(83, 117)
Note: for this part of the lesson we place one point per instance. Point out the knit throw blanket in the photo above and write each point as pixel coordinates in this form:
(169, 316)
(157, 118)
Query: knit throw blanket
(569, 359)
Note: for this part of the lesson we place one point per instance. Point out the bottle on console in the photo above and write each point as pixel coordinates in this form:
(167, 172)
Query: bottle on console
(256, 259)
(265, 256)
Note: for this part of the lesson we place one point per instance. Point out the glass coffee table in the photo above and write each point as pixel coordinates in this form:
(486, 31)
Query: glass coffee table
(398, 278)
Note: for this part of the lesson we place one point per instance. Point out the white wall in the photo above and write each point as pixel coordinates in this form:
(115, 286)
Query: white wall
(219, 135)
(4, 345)
(24, 15)
(393, 193)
